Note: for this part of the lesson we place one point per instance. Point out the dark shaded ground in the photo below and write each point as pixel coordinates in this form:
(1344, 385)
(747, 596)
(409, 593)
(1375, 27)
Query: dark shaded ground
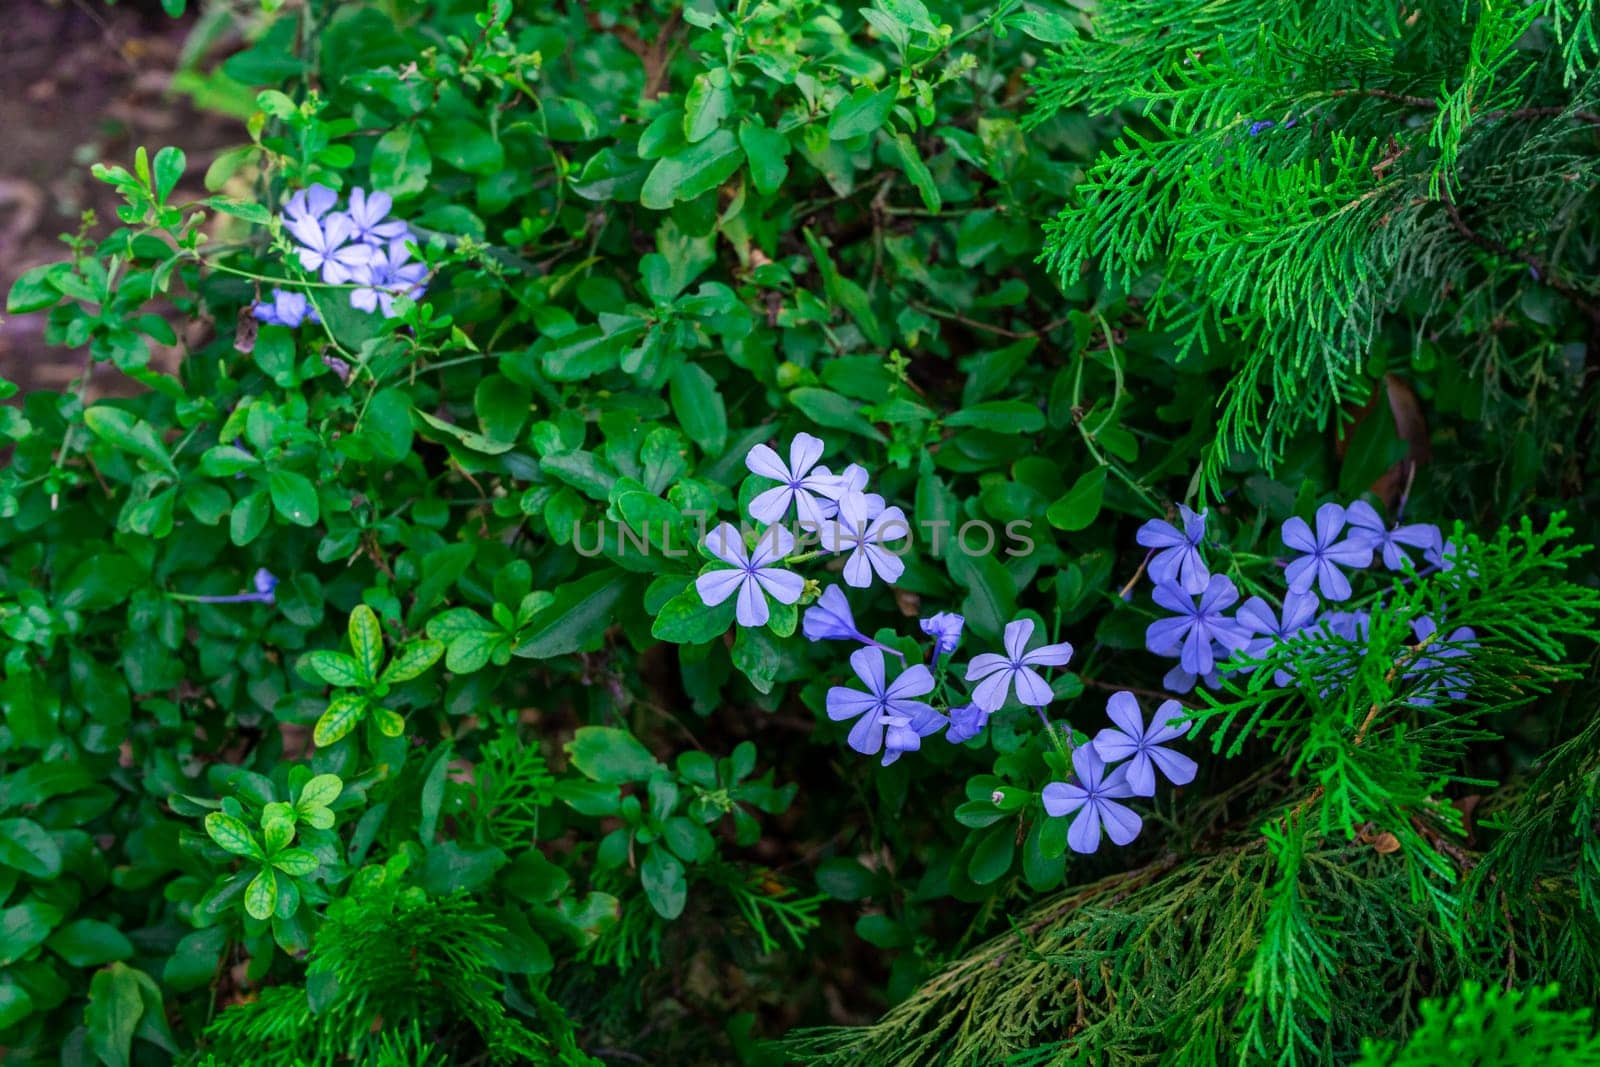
(80, 83)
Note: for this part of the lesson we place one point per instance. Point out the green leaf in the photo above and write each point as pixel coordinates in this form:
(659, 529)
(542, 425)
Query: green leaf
(692, 171)
(121, 430)
(843, 878)
(193, 962)
(992, 858)
(911, 162)
(1000, 416)
(344, 712)
(295, 862)
(24, 927)
(457, 867)
(115, 1008)
(261, 895)
(708, 101)
(666, 887)
(319, 792)
(1079, 507)
(699, 408)
(412, 659)
(863, 111)
(685, 619)
(611, 755)
(15, 1004)
(89, 943)
(765, 150)
(467, 146)
(294, 497)
(33, 291)
(827, 408)
(366, 641)
(170, 163)
(475, 441)
(390, 723)
(577, 618)
(233, 835)
(335, 668)
(28, 847)
(401, 163)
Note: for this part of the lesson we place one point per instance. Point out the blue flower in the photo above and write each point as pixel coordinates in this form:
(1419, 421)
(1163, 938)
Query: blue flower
(326, 247)
(904, 733)
(389, 273)
(995, 674)
(1129, 740)
(310, 203)
(286, 309)
(1324, 553)
(1271, 628)
(1436, 667)
(1345, 625)
(966, 722)
(1178, 560)
(1257, 127)
(863, 535)
(1178, 680)
(830, 619)
(369, 218)
(882, 699)
(945, 629)
(797, 483)
(1366, 524)
(1199, 624)
(1094, 797)
(753, 576)
(265, 583)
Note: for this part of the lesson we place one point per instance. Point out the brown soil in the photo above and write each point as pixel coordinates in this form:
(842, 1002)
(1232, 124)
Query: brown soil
(80, 83)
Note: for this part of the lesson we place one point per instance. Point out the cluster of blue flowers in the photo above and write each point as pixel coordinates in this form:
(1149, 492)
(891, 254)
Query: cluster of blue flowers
(1200, 633)
(359, 246)
(889, 715)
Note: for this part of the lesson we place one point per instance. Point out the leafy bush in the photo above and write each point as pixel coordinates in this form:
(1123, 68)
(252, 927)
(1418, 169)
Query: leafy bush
(524, 624)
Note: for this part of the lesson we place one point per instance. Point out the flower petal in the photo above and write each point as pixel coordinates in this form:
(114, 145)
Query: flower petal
(1157, 533)
(1112, 745)
(1122, 708)
(1016, 637)
(1062, 798)
(1297, 535)
(764, 461)
(1088, 766)
(716, 586)
(990, 693)
(866, 736)
(771, 506)
(1122, 824)
(1032, 689)
(1330, 520)
(1178, 768)
(783, 586)
(804, 451)
(1165, 637)
(1141, 776)
(915, 682)
(845, 703)
(868, 665)
(1084, 833)
(774, 544)
(858, 568)
(725, 543)
(1049, 655)
(752, 609)
(888, 565)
